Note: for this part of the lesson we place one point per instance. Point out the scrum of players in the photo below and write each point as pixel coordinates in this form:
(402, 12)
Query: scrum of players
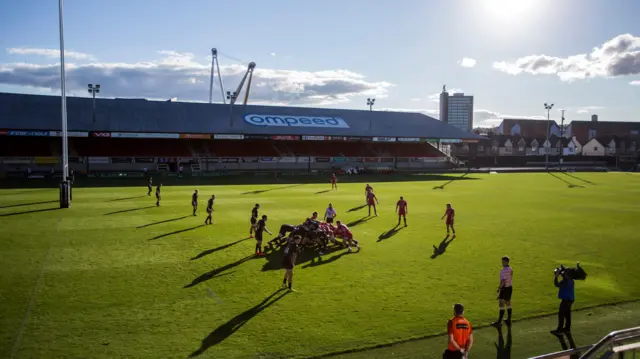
(313, 233)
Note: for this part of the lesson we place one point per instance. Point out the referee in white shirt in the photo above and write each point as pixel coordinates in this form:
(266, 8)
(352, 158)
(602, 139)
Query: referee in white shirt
(330, 214)
(505, 291)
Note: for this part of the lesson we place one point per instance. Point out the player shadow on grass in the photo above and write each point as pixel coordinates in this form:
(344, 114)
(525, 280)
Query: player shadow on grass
(28, 204)
(355, 209)
(442, 247)
(451, 180)
(28, 212)
(128, 210)
(578, 178)
(213, 250)
(390, 233)
(274, 258)
(124, 198)
(271, 189)
(359, 221)
(218, 272)
(227, 329)
(569, 184)
(325, 191)
(504, 348)
(320, 261)
(176, 232)
(165, 221)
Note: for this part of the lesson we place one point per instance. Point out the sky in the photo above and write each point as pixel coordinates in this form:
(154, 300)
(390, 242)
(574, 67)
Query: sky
(513, 56)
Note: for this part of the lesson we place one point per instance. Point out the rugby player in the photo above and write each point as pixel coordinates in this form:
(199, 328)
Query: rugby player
(334, 182)
(150, 186)
(504, 291)
(371, 201)
(254, 219)
(289, 260)
(158, 195)
(194, 201)
(260, 228)
(367, 189)
(344, 232)
(450, 214)
(210, 209)
(402, 209)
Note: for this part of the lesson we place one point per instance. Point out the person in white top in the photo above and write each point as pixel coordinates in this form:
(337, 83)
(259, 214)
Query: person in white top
(330, 214)
(505, 291)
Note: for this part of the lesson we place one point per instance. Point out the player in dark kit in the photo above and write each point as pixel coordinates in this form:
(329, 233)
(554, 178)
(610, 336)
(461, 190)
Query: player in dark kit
(210, 209)
(334, 182)
(254, 219)
(450, 214)
(158, 195)
(289, 261)
(261, 227)
(402, 209)
(150, 186)
(194, 201)
(371, 202)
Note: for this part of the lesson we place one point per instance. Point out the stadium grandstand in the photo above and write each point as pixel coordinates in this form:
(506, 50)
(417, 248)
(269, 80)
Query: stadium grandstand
(138, 134)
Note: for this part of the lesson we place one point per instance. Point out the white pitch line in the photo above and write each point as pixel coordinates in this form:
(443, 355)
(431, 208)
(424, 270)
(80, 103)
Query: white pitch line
(32, 300)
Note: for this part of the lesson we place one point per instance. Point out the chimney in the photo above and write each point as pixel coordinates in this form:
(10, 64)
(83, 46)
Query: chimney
(594, 118)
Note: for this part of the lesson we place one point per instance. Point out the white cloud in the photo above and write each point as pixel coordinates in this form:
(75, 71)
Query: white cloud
(415, 99)
(635, 83)
(177, 74)
(586, 109)
(467, 62)
(55, 53)
(619, 56)
(273, 54)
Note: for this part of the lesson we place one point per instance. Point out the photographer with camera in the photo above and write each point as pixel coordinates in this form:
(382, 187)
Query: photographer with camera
(566, 293)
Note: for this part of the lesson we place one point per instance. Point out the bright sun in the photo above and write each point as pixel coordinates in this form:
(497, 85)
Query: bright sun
(513, 10)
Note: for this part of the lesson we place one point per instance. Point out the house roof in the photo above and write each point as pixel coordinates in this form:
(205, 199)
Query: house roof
(38, 112)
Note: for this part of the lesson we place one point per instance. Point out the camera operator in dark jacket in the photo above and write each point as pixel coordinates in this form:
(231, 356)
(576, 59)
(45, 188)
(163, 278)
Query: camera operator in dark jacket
(566, 294)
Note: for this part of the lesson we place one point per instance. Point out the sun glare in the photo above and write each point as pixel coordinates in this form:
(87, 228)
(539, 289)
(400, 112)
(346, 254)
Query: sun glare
(512, 10)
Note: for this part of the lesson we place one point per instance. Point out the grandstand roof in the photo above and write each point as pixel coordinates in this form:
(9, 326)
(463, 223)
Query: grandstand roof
(38, 112)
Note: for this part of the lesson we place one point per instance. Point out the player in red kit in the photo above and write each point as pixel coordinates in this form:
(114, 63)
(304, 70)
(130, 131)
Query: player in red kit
(342, 231)
(371, 201)
(334, 182)
(367, 190)
(450, 214)
(402, 209)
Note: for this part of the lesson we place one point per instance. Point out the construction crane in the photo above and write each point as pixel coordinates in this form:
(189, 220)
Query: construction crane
(249, 73)
(215, 64)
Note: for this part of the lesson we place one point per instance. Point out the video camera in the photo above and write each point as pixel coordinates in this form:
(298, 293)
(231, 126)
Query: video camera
(576, 273)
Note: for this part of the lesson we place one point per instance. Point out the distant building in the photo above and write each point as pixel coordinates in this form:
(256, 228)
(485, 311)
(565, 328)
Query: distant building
(584, 131)
(527, 128)
(456, 110)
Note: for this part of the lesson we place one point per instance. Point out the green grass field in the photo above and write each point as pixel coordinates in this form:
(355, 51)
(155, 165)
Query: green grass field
(116, 277)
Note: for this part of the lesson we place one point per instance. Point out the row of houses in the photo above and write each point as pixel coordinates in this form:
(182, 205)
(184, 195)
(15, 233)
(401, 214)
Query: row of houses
(520, 146)
(583, 131)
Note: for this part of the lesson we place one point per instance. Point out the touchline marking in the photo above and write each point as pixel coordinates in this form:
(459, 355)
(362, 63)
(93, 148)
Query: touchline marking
(32, 300)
